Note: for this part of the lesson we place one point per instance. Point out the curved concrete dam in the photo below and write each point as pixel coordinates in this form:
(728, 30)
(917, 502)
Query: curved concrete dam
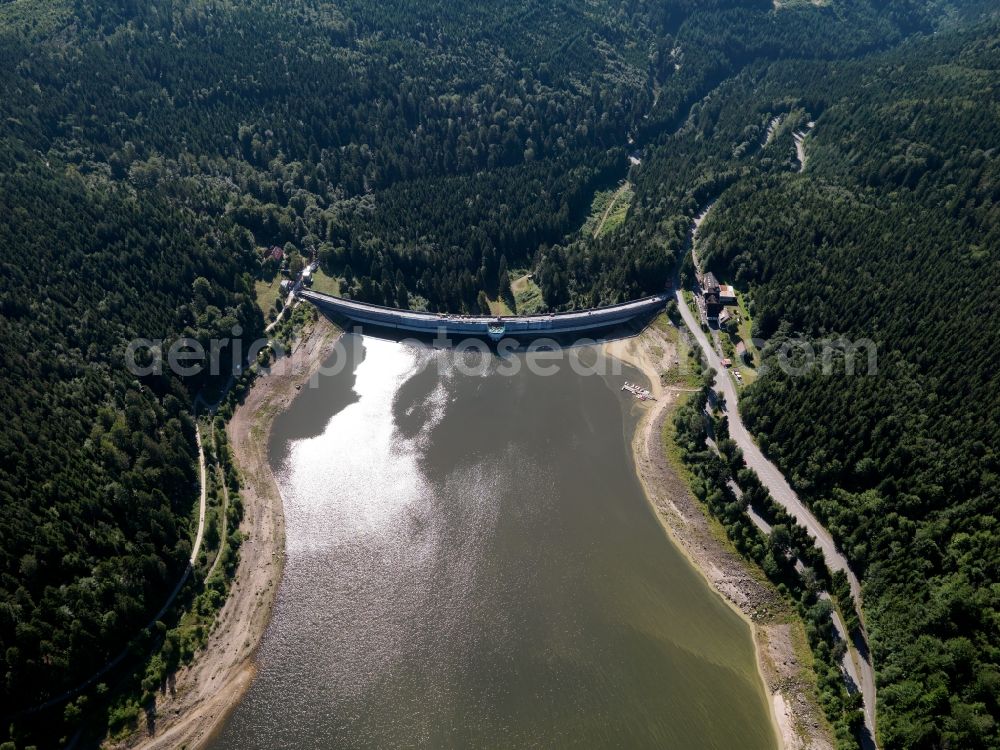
(496, 327)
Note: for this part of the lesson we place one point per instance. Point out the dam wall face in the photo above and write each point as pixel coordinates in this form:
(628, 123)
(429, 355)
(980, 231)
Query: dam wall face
(480, 325)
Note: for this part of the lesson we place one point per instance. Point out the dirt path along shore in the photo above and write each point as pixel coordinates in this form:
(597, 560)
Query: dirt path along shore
(203, 693)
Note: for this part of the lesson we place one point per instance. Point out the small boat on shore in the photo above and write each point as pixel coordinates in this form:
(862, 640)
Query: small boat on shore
(639, 392)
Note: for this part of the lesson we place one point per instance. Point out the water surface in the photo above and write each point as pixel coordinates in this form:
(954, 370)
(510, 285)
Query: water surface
(471, 562)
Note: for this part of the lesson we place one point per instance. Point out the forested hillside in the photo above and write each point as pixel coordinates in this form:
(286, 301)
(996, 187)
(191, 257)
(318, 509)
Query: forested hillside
(892, 234)
(152, 152)
(304, 118)
(149, 152)
(98, 476)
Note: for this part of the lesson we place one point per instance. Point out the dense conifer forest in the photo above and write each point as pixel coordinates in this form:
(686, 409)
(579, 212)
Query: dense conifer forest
(152, 152)
(892, 234)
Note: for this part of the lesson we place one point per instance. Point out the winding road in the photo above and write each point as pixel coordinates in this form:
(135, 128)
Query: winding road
(223, 521)
(289, 303)
(199, 536)
(782, 492)
(850, 660)
(189, 568)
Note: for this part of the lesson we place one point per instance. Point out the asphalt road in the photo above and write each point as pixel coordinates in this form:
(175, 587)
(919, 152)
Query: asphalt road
(781, 491)
(199, 536)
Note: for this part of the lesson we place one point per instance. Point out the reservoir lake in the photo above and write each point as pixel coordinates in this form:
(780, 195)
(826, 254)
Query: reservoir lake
(471, 562)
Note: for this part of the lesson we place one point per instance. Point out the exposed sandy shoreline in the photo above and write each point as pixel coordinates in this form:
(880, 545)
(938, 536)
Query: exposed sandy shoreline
(798, 719)
(204, 692)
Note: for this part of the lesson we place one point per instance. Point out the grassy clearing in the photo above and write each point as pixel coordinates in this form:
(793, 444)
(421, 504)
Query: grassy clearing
(749, 372)
(217, 500)
(608, 210)
(527, 294)
(617, 211)
(729, 351)
(266, 293)
(499, 307)
(325, 284)
(692, 303)
(664, 324)
(681, 372)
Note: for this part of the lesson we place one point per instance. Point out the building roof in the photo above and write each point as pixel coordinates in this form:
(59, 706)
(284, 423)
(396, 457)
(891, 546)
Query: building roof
(725, 290)
(709, 283)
